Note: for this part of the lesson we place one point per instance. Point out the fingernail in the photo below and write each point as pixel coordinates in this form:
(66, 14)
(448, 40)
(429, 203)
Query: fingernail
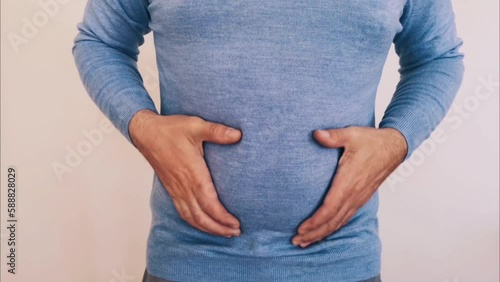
(236, 232)
(295, 242)
(303, 245)
(323, 133)
(232, 133)
(229, 236)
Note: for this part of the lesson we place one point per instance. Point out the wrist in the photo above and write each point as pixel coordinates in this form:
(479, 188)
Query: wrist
(139, 124)
(398, 141)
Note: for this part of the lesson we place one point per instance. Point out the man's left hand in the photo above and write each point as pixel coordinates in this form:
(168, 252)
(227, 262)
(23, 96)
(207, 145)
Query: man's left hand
(370, 156)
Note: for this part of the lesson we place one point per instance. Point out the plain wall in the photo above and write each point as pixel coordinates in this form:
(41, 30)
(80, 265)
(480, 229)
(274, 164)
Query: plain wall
(439, 212)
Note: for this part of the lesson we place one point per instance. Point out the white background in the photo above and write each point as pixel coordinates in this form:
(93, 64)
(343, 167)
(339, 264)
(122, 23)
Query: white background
(439, 213)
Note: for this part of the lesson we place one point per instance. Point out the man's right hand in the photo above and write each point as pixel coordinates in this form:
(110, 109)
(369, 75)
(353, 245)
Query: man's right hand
(173, 145)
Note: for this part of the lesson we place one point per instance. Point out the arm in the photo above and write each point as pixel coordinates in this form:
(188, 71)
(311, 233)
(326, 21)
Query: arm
(105, 51)
(431, 73)
(431, 70)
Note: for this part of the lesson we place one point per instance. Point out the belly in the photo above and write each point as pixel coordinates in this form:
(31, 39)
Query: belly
(277, 175)
(274, 178)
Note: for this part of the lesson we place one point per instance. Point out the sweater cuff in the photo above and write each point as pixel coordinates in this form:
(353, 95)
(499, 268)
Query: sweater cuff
(412, 125)
(125, 109)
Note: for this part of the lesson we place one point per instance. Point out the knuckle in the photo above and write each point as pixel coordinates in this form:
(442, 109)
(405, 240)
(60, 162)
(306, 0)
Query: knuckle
(214, 129)
(317, 220)
(344, 136)
(331, 224)
(206, 188)
(352, 132)
(198, 218)
(209, 192)
(313, 222)
(206, 195)
(196, 119)
(207, 206)
(196, 123)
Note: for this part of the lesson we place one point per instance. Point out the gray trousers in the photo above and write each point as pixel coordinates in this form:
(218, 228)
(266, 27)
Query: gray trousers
(150, 278)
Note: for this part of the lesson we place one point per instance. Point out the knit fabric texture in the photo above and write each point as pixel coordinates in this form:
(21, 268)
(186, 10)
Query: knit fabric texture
(277, 70)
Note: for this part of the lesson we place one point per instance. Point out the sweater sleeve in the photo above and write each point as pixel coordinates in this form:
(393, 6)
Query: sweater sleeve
(431, 70)
(105, 52)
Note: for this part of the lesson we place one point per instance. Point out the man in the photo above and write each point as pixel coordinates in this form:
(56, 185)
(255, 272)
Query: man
(266, 155)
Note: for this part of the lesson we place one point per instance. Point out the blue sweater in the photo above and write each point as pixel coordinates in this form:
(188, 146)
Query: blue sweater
(277, 70)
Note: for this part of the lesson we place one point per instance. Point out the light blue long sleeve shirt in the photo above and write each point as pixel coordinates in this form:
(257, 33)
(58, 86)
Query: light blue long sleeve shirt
(277, 70)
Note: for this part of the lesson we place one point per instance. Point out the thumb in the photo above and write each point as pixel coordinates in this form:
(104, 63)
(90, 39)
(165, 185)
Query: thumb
(219, 133)
(332, 138)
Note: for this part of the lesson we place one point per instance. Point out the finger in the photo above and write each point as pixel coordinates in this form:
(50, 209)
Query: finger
(185, 212)
(204, 222)
(218, 133)
(347, 217)
(306, 241)
(192, 215)
(207, 197)
(334, 138)
(320, 217)
(332, 203)
(211, 205)
(328, 228)
(322, 229)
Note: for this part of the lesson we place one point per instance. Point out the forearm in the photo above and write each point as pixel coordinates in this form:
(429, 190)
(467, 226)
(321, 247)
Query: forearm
(113, 82)
(105, 50)
(431, 70)
(423, 97)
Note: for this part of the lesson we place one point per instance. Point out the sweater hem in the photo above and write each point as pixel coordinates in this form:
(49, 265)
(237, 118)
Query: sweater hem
(308, 267)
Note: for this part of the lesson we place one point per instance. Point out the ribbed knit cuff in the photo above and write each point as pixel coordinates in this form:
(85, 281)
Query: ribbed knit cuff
(125, 109)
(412, 124)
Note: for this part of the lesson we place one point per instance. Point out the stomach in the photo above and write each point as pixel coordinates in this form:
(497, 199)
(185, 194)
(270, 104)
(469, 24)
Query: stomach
(271, 180)
(274, 178)
(277, 175)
